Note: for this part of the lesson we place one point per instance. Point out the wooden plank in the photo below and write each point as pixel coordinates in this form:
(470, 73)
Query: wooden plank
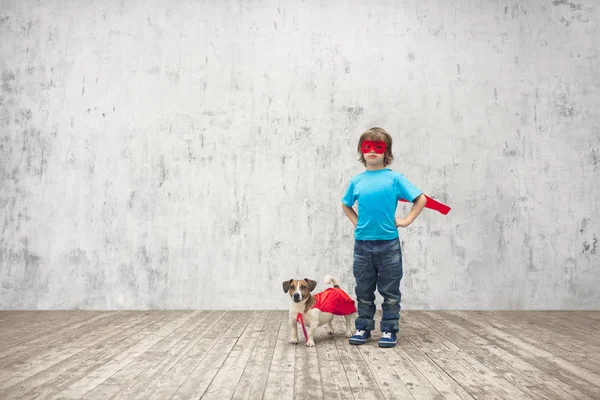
(573, 321)
(225, 382)
(54, 375)
(20, 370)
(43, 339)
(307, 381)
(475, 377)
(565, 324)
(335, 383)
(417, 383)
(407, 373)
(161, 357)
(442, 356)
(575, 351)
(389, 382)
(26, 318)
(588, 315)
(439, 378)
(198, 380)
(362, 382)
(125, 341)
(544, 361)
(282, 365)
(24, 325)
(585, 320)
(144, 341)
(216, 323)
(529, 379)
(254, 378)
(46, 323)
(157, 355)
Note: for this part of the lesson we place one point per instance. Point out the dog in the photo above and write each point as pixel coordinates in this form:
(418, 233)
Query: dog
(318, 309)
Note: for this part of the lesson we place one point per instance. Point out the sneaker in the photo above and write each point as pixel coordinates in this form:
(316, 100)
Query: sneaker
(388, 339)
(360, 337)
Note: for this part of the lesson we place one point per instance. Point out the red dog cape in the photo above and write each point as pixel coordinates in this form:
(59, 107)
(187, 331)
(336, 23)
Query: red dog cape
(335, 301)
(434, 205)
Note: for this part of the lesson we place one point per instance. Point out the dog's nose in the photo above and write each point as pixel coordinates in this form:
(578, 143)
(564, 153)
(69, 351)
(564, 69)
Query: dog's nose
(296, 296)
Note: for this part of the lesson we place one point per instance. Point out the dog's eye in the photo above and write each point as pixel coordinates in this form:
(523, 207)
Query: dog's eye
(292, 287)
(303, 287)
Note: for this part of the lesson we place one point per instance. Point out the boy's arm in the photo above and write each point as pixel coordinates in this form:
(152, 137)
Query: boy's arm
(418, 205)
(351, 214)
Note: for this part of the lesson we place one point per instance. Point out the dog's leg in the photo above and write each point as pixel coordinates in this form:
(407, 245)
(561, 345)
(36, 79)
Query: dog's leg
(311, 333)
(330, 325)
(348, 325)
(293, 329)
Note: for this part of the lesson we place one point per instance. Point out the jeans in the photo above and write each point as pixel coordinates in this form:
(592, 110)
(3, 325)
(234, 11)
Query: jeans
(378, 263)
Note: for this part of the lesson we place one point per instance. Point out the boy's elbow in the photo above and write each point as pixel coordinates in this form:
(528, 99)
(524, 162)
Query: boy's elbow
(345, 207)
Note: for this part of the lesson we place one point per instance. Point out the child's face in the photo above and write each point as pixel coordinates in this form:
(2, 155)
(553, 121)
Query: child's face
(373, 151)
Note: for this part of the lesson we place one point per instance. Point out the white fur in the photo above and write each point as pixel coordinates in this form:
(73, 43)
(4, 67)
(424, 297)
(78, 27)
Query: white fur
(313, 318)
(330, 279)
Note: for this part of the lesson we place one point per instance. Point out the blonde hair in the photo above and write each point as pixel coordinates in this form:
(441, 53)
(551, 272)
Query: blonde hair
(376, 133)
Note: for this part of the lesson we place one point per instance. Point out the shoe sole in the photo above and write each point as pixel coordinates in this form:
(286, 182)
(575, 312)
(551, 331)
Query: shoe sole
(357, 342)
(387, 345)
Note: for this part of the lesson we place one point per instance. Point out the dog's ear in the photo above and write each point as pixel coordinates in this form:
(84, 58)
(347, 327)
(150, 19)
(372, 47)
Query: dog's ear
(286, 285)
(311, 284)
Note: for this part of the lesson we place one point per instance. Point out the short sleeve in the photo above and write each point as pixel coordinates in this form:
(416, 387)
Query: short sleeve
(405, 190)
(349, 197)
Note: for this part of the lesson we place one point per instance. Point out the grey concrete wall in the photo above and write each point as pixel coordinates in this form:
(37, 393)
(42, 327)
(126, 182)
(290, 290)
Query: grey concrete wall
(193, 154)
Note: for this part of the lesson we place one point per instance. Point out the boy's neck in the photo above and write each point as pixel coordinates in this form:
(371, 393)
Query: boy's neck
(375, 167)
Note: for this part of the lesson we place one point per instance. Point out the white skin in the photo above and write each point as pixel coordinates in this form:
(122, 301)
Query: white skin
(375, 162)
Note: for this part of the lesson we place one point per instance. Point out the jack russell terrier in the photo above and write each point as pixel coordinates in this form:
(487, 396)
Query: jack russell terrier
(316, 309)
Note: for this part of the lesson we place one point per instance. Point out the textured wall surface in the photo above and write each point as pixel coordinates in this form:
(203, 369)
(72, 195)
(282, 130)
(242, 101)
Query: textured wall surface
(193, 154)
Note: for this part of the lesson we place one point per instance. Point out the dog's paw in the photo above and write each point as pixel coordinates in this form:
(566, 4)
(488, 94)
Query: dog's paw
(310, 343)
(330, 331)
(348, 334)
(293, 341)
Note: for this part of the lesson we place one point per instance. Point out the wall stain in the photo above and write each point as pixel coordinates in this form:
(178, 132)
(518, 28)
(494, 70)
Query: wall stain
(584, 224)
(590, 247)
(354, 112)
(163, 172)
(143, 255)
(565, 108)
(507, 152)
(572, 6)
(7, 78)
(131, 200)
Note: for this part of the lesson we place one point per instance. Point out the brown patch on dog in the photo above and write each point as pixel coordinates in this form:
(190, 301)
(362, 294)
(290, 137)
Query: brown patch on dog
(286, 285)
(310, 303)
(311, 284)
(304, 289)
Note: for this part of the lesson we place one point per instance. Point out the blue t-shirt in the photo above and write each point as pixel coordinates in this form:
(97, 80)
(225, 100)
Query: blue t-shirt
(378, 193)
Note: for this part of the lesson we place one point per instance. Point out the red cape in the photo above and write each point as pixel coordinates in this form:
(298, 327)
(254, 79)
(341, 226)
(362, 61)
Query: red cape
(335, 301)
(434, 205)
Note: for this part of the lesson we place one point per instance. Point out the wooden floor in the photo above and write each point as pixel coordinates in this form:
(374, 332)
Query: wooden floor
(245, 354)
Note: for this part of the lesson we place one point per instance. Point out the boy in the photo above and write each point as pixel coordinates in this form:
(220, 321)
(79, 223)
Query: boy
(377, 253)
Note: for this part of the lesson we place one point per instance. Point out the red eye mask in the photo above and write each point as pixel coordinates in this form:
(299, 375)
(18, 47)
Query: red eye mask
(378, 146)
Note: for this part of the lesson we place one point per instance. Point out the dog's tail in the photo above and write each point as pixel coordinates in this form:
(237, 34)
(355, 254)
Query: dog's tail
(330, 279)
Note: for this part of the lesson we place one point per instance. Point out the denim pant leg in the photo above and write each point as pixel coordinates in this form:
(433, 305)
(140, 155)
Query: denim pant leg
(388, 261)
(366, 281)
